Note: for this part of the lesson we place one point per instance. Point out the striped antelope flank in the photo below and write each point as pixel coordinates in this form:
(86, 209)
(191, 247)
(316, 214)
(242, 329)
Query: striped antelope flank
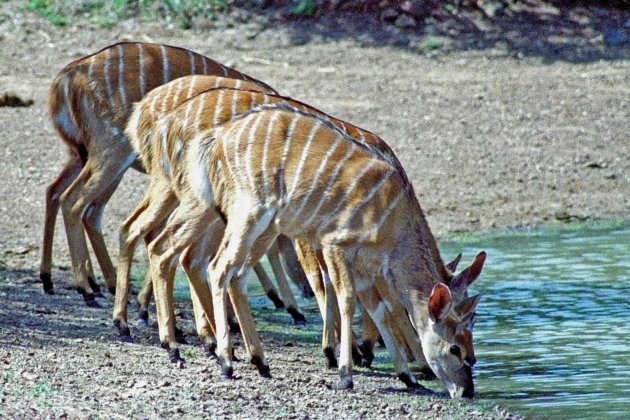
(90, 101)
(161, 201)
(309, 180)
(203, 111)
(188, 178)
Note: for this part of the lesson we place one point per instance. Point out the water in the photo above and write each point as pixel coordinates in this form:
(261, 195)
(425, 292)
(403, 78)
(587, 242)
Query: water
(552, 337)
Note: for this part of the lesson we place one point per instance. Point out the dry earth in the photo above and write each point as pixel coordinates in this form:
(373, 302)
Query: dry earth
(511, 126)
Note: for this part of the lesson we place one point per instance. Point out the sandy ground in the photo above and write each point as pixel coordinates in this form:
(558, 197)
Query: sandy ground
(494, 135)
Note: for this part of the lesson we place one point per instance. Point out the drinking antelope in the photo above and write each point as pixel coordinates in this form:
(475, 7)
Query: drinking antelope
(90, 101)
(274, 166)
(161, 201)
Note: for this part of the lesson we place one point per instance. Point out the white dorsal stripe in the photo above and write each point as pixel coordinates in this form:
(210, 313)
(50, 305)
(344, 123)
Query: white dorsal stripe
(331, 181)
(121, 78)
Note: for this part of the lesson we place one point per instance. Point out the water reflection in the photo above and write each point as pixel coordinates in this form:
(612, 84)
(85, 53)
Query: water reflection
(553, 325)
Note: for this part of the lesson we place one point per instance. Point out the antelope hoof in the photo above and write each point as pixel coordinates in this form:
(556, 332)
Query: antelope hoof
(112, 290)
(263, 369)
(90, 300)
(410, 381)
(427, 373)
(278, 303)
(346, 384)
(180, 336)
(298, 317)
(47, 283)
(95, 287)
(174, 357)
(123, 331)
(227, 373)
(331, 360)
(234, 327)
(368, 355)
(209, 350)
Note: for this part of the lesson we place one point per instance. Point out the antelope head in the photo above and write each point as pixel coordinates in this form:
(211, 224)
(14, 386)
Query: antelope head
(447, 340)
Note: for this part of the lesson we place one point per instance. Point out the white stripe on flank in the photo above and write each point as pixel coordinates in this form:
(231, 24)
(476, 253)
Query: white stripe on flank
(303, 157)
(217, 109)
(349, 215)
(121, 78)
(143, 82)
(331, 180)
(192, 62)
(316, 178)
(178, 90)
(225, 71)
(165, 65)
(166, 97)
(263, 164)
(233, 108)
(225, 137)
(287, 145)
(198, 174)
(237, 84)
(375, 228)
(251, 139)
(205, 64)
(217, 81)
(91, 83)
(153, 106)
(108, 82)
(190, 103)
(237, 142)
(332, 216)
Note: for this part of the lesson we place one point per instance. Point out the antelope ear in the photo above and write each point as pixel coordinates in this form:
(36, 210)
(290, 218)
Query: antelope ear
(439, 302)
(467, 307)
(452, 266)
(469, 274)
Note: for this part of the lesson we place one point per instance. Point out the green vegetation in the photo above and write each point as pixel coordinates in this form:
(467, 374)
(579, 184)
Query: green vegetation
(303, 7)
(102, 13)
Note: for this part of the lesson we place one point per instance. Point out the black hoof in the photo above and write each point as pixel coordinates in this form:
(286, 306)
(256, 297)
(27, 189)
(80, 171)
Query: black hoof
(47, 283)
(427, 373)
(112, 290)
(367, 353)
(99, 295)
(331, 360)
(123, 331)
(90, 300)
(409, 381)
(227, 373)
(174, 357)
(298, 317)
(346, 383)
(94, 286)
(263, 369)
(209, 350)
(277, 302)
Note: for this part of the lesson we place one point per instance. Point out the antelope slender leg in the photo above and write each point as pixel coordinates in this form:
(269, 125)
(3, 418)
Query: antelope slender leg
(283, 285)
(190, 221)
(369, 337)
(54, 191)
(268, 286)
(195, 260)
(92, 223)
(158, 203)
(341, 278)
(92, 181)
(292, 266)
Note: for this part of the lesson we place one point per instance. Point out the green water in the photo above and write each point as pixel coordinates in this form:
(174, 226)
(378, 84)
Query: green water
(552, 337)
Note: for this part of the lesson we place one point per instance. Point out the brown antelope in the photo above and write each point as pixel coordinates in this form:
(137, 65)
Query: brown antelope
(141, 221)
(90, 101)
(310, 180)
(295, 166)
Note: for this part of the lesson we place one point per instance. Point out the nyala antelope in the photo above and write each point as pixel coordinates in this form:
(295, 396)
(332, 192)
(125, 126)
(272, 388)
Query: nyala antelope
(90, 101)
(276, 168)
(161, 201)
(198, 114)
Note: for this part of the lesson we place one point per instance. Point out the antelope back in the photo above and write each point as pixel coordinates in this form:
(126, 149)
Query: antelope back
(167, 98)
(110, 81)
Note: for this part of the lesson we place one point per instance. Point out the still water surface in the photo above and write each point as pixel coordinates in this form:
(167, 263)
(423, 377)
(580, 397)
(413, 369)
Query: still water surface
(552, 337)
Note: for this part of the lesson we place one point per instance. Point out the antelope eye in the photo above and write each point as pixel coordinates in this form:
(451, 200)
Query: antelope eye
(455, 351)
